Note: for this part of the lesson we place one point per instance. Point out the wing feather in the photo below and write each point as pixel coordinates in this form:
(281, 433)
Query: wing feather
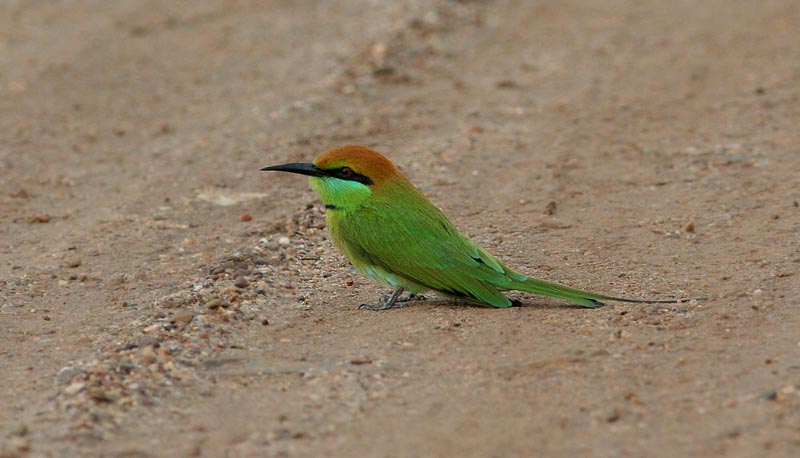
(418, 242)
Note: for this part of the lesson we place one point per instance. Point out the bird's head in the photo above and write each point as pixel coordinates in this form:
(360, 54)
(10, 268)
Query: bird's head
(345, 177)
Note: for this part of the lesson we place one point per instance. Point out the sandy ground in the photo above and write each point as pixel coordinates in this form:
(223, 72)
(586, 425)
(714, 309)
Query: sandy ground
(160, 297)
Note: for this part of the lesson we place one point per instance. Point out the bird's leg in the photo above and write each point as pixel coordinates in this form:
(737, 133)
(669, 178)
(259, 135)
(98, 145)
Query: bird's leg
(389, 303)
(406, 297)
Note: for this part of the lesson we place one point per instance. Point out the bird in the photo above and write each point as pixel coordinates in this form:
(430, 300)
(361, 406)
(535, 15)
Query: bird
(393, 234)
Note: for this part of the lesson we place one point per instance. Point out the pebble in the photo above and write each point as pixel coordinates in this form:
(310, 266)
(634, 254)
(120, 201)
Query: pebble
(214, 303)
(146, 356)
(20, 193)
(157, 356)
(183, 318)
(39, 219)
(770, 396)
(217, 270)
(72, 261)
(246, 217)
(22, 445)
(100, 394)
(20, 430)
(74, 388)
(734, 158)
(151, 328)
(148, 341)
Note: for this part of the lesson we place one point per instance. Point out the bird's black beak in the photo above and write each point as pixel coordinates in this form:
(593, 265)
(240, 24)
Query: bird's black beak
(303, 168)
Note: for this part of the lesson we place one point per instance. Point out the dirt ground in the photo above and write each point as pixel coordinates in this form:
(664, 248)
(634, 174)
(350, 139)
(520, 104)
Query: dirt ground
(161, 297)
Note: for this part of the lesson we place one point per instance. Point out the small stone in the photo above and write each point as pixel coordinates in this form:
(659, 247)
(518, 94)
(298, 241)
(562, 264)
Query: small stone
(734, 158)
(72, 261)
(148, 341)
(283, 241)
(74, 388)
(183, 318)
(378, 53)
(20, 194)
(39, 219)
(217, 270)
(146, 356)
(241, 282)
(214, 303)
(246, 217)
(770, 396)
(99, 394)
(239, 273)
(506, 84)
(22, 445)
(20, 430)
(151, 328)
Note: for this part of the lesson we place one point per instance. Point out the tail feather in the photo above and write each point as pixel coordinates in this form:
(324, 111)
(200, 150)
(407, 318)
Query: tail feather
(577, 296)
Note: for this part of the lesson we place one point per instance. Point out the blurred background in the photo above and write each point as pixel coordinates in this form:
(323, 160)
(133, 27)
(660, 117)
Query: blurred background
(161, 297)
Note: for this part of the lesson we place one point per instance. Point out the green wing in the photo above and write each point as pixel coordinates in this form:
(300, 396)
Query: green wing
(417, 242)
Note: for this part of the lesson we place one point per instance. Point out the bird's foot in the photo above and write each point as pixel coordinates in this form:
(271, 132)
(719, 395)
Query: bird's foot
(393, 301)
(384, 306)
(405, 298)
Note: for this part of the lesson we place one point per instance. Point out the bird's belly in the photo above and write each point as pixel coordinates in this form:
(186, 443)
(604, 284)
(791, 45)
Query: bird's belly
(381, 276)
(342, 234)
(389, 279)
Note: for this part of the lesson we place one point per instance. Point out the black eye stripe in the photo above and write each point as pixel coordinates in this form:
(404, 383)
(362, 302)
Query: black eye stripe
(348, 174)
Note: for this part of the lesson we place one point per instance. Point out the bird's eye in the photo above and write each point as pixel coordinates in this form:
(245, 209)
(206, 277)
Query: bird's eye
(346, 172)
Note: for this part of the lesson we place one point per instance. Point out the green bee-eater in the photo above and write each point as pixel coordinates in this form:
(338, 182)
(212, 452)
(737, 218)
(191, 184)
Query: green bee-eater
(393, 234)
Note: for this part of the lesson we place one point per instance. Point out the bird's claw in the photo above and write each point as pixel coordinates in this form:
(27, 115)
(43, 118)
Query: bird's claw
(393, 301)
(384, 306)
(406, 298)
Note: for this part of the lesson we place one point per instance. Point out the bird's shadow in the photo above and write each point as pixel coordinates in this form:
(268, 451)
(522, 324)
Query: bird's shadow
(515, 303)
